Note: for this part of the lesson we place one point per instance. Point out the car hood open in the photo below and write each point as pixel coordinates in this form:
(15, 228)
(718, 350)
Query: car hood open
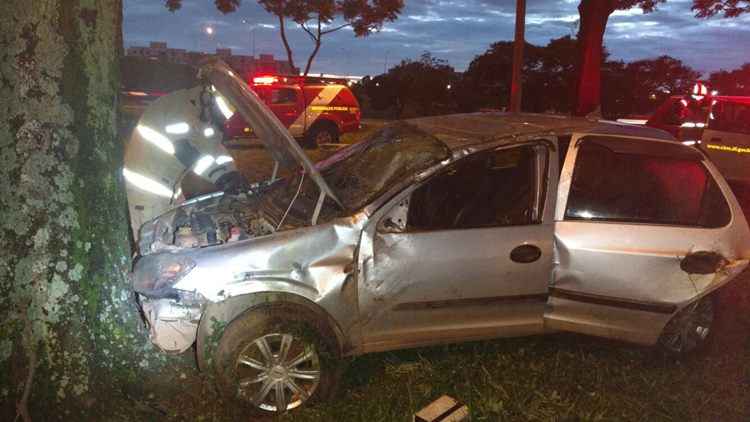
(274, 135)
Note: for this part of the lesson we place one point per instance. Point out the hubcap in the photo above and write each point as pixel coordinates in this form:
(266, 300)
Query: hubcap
(689, 328)
(323, 137)
(277, 372)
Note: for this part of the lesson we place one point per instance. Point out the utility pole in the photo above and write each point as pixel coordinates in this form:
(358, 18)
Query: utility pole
(515, 86)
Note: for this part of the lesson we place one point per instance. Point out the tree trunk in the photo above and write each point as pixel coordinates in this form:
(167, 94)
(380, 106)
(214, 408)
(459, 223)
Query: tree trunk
(594, 15)
(282, 30)
(315, 50)
(68, 325)
(516, 85)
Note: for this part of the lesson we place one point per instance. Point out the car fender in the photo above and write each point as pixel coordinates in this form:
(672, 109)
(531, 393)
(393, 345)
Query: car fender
(217, 316)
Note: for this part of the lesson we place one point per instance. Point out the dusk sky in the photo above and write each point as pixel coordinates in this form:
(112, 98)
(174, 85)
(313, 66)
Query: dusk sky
(454, 30)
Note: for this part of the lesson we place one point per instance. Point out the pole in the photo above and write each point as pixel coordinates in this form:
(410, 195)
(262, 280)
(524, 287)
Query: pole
(515, 86)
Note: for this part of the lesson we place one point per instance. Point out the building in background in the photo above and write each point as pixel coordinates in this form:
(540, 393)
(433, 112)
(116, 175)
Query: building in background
(244, 65)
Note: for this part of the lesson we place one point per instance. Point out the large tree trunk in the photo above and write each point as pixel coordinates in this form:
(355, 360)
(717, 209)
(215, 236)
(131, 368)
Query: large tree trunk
(68, 327)
(594, 15)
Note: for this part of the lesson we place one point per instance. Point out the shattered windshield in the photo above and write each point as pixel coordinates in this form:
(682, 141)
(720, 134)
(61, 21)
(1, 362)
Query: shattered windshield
(362, 172)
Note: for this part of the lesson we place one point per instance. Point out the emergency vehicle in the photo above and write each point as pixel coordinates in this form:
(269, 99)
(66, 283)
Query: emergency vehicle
(315, 110)
(719, 125)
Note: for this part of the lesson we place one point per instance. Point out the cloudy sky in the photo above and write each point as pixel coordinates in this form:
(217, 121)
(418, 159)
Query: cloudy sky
(455, 30)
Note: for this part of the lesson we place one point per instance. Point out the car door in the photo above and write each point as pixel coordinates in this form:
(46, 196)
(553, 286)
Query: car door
(466, 254)
(633, 217)
(726, 140)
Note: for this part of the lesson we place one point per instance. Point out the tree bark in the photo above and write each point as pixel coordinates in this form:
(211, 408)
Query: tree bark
(69, 328)
(594, 15)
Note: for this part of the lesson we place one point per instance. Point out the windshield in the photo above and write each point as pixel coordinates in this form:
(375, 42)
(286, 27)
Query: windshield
(360, 173)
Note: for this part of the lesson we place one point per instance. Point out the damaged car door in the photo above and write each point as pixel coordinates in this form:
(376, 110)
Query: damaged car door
(645, 230)
(465, 254)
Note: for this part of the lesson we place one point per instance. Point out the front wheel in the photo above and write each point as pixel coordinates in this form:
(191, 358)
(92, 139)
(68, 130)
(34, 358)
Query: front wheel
(690, 329)
(275, 360)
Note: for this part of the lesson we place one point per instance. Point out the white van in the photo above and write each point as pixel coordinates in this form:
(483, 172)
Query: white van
(726, 138)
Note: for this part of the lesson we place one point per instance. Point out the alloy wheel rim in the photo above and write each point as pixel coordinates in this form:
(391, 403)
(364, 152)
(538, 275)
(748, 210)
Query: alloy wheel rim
(277, 372)
(690, 328)
(323, 137)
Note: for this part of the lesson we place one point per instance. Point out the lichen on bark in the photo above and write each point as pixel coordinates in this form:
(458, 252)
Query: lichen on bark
(66, 310)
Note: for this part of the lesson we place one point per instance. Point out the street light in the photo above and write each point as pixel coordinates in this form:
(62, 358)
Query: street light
(252, 28)
(209, 30)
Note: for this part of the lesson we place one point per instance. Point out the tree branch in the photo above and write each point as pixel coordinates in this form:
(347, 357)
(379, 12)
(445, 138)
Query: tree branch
(315, 50)
(312, 36)
(336, 28)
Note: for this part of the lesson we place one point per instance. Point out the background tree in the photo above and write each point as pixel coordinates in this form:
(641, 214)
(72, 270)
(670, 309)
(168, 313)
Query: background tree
(320, 17)
(732, 82)
(420, 87)
(594, 15)
(68, 325)
(727, 8)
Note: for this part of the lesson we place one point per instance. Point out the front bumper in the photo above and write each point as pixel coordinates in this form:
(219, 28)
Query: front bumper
(172, 325)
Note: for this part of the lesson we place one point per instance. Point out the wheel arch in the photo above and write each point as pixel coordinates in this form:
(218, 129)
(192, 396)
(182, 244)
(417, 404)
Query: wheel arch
(217, 316)
(325, 121)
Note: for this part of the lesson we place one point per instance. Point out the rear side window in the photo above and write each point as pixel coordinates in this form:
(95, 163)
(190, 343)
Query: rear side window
(283, 96)
(610, 184)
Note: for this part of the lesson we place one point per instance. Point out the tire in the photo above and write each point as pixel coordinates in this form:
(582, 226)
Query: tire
(321, 134)
(253, 369)
(691, 329)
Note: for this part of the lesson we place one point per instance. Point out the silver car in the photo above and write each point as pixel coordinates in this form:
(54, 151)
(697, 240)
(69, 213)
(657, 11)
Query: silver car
(438, 230)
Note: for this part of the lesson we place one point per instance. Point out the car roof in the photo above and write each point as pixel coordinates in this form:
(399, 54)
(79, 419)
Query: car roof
(473, 129)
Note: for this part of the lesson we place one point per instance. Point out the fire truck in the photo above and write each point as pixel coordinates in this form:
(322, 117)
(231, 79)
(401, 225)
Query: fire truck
(315, 110)
(719, 125)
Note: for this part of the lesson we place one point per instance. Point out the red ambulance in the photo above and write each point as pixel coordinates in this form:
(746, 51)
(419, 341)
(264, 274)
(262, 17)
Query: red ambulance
(315, 110)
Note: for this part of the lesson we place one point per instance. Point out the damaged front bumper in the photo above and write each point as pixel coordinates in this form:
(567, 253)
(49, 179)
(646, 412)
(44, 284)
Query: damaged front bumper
(173, 324)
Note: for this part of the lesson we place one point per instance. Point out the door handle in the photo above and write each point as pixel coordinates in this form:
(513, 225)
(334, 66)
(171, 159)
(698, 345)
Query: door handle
(525, 254)
(702, 262)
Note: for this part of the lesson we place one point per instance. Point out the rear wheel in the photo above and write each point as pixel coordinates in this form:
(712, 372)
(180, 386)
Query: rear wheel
(691, 329)
(274, 359)
(321, 134)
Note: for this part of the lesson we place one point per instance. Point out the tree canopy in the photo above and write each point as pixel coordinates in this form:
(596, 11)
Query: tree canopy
(320, 17)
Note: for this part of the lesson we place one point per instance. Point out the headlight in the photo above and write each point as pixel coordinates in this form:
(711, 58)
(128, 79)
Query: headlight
(155, 275)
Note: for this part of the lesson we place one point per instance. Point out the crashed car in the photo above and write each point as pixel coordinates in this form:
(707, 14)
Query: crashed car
(437, 230)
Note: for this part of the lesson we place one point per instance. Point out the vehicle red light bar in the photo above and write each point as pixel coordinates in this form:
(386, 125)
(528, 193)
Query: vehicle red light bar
(265, 80)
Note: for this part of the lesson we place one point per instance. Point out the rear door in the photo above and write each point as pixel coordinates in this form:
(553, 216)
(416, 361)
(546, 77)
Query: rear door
(726, 140)
(629, 213)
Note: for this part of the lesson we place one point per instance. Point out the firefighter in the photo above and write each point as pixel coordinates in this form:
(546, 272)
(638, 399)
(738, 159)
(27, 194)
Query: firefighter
(177, 134)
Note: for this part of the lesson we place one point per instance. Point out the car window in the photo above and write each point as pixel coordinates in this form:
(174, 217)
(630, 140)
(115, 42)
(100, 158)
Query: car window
(730, 117)
(628, 186)
(283, 96)
(489, 189)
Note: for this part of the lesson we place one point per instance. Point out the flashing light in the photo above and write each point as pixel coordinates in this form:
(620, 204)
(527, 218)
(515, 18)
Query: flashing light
(208, 132)
(684, 102)
(156, 138)
(265, 80)
(690, 143)
(714, 93)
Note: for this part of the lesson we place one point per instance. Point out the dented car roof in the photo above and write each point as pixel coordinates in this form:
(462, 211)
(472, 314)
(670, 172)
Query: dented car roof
(462, 130)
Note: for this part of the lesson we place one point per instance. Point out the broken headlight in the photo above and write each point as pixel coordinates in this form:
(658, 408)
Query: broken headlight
(155, 275)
